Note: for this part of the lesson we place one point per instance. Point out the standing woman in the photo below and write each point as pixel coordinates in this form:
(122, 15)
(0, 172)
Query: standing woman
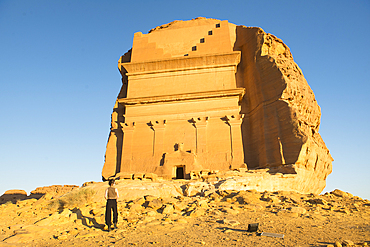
(111, 195)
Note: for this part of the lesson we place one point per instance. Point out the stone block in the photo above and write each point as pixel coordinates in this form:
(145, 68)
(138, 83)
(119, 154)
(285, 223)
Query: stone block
(151, 176)
(138, 176)
(124, 175)
(194, 174)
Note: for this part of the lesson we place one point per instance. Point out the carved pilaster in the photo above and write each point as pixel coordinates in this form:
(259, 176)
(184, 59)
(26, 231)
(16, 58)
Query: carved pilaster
(128, 136)
(158, 147)
(201, 134)
(237, 153)
(113, 153)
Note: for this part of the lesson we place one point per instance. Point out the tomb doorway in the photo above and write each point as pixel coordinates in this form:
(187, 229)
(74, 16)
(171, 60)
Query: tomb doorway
(180, 172)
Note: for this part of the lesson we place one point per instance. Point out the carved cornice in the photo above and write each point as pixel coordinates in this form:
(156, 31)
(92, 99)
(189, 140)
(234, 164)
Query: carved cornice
(182, 97)
(181, 64)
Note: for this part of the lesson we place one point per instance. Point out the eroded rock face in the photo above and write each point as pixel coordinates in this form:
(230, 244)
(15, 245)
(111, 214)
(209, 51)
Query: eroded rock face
(231, 96)
(281, 115)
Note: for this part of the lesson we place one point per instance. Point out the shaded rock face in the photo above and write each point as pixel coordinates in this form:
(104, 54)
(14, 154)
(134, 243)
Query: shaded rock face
(281, 115)
(232, 95)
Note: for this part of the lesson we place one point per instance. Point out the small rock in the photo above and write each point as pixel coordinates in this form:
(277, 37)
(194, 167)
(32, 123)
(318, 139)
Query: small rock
(150, 198)
(348, 243)
(202, 204)
(230, 200)
(343, 210)
(317, 201)
(269, 198)
(155, 204)
(131, 219)
(259, 207)
(66, 213)
(151, 213)
(180, 206)
(231, 222)
(339, 193)
(337, 244)
(148, 219)
(139, 201)
(62, 237)
(85, 211)
(182, 221)
(136, 207)
(196, 213)
(295, 215)
(298, 210)
(231, 211)
(168, 209)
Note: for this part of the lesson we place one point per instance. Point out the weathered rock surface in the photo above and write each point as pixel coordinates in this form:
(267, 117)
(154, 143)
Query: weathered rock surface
(230, 96)
(54, 189)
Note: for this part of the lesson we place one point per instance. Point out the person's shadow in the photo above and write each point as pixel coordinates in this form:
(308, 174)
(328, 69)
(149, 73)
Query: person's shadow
(87, 220)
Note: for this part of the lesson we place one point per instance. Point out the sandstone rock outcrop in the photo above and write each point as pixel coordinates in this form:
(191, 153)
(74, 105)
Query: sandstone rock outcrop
(53, 190)
(13, 196)
(207, 96)
(46, 191)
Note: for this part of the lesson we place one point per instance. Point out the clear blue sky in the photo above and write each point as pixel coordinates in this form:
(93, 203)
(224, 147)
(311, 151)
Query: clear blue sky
(59, 78)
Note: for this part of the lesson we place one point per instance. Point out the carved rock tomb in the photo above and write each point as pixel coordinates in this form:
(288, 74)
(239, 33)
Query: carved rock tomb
(204, 97)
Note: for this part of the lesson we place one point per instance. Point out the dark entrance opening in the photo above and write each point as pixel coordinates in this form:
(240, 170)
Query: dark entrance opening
(180, 172)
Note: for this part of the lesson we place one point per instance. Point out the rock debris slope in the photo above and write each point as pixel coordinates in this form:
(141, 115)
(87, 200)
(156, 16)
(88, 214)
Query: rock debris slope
(167, 218)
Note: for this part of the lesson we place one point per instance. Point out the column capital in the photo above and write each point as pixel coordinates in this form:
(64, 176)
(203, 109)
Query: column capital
(157, 124)
(234, 119)
(199, 121)
(128, 126)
